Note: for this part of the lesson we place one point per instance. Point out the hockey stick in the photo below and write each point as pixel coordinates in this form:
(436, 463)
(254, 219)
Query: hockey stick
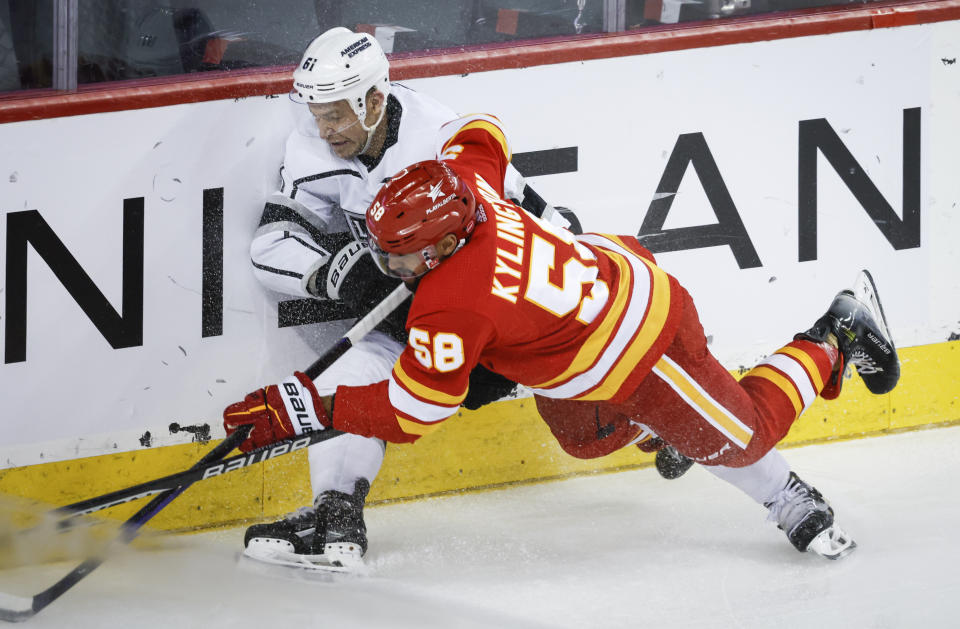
(199, 472)
(17, 608)
(240, 461)
(371, 320)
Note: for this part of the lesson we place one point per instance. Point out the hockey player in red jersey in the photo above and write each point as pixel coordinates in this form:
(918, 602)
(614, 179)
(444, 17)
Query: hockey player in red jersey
(354, 129)
(608, 342)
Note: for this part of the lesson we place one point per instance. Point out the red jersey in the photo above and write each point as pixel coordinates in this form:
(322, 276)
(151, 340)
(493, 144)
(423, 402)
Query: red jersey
(576, 317)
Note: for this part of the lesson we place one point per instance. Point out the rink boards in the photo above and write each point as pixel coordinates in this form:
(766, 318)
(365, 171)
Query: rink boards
(763, 183)
(504, 443)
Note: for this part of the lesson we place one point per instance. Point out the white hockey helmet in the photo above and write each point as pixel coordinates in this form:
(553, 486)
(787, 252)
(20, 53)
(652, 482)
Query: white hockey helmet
(341, 65)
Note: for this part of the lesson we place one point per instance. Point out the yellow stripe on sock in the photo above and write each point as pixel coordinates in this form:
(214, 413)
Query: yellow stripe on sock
(415, 428)
(783, 383)
(807, 361)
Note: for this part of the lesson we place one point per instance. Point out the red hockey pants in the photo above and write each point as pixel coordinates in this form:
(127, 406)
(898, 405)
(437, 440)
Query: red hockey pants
(693, 403)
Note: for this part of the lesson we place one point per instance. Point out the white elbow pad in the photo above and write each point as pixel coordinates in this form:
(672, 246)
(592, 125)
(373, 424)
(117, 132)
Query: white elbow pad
(283, 251)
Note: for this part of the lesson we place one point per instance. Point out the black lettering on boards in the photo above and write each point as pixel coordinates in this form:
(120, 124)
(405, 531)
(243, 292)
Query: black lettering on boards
(691, 148)
(211, 317)
(818, 136)
(119, 330)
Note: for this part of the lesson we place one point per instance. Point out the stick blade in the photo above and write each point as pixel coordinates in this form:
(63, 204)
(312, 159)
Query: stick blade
(33, 533)
(15, 608)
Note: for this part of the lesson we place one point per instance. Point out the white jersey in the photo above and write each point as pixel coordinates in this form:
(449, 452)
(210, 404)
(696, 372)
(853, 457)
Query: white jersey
(315, 225)
(316, 221)
(323, 199)
(318, 215)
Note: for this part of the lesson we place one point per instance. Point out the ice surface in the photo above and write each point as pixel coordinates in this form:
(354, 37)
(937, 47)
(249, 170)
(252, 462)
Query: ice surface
(614, 550)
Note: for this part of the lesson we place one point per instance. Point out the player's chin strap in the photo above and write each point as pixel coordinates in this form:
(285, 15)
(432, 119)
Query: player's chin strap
(460, 245)
(371, 131)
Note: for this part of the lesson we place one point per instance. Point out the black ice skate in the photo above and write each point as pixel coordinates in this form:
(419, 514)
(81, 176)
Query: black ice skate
(671, 464)
(801, 512)
(293, 534)
(341, 534)
(856, 320)
(330, 536)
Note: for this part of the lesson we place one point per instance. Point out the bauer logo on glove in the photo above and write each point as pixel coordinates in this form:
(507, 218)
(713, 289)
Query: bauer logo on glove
(277, 411)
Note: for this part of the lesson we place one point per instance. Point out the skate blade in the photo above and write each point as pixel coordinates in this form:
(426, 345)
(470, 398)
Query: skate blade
(281, 572)
(15, 608)
(345, 554)
(879, 378)
(865, 291)
(309, 563)
(832, 543)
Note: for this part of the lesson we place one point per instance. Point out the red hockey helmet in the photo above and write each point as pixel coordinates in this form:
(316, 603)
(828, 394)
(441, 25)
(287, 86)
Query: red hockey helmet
(413, 212)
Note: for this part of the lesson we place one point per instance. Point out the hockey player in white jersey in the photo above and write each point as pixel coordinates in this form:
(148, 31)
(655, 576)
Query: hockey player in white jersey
(354, 129)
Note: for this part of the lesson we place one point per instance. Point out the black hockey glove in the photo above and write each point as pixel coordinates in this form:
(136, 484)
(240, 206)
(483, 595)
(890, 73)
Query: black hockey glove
(571, 217)
(485, 387)
(354, 278)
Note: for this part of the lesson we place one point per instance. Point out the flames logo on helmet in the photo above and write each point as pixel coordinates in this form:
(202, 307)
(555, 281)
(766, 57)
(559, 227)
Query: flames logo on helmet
(405, 218)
